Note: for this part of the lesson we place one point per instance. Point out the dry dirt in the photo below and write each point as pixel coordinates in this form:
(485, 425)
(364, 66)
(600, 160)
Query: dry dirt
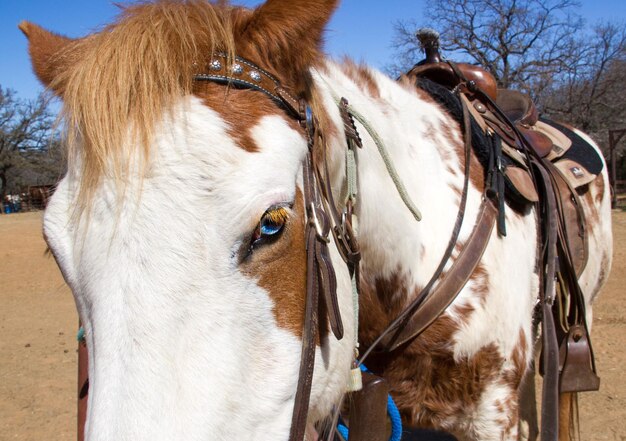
(38, 344)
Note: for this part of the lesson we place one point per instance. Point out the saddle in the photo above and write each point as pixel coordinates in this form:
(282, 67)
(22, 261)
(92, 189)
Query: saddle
(514, 118)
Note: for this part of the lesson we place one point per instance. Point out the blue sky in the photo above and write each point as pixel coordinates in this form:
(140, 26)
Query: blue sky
(360, 28)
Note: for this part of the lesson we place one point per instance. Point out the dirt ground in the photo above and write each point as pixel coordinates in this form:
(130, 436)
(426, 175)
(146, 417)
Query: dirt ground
(38, 342)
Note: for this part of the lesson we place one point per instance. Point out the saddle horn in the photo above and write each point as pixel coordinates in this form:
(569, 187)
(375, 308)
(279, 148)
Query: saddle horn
(429, 41)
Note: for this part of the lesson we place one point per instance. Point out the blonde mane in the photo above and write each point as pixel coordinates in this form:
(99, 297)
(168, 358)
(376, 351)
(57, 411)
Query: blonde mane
(125, 77)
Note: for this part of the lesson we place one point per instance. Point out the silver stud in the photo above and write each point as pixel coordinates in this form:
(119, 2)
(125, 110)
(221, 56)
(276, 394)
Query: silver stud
(215, 65)
(237, 69)
(255, 76)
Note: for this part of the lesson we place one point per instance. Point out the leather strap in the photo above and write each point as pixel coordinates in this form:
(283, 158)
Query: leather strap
(450, 286)
(550, 392)
(242, 73)
(309, 335)
(320, 280)
(413, 320)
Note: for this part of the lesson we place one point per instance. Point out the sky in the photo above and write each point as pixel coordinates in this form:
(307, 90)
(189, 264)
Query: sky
(362, 29)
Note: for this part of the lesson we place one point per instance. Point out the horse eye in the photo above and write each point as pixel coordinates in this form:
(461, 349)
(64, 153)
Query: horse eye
(271, 224)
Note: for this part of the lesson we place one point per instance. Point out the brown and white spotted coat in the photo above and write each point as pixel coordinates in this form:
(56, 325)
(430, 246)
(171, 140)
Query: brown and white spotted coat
(194, 328)
(463, 374)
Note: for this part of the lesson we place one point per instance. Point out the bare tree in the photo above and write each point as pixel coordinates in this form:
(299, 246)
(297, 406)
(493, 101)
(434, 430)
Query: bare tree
(517, 41)
(574, 73)
(590, 92)
(25, 133)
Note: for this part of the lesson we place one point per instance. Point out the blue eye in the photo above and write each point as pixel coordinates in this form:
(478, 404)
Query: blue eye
(271, 224)
(268, 227)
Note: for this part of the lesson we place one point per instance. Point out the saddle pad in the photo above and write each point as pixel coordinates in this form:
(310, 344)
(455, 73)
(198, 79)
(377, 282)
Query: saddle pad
(581, 152)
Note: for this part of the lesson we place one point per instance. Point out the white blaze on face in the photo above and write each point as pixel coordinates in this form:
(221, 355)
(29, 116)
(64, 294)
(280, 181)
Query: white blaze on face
(183, 344)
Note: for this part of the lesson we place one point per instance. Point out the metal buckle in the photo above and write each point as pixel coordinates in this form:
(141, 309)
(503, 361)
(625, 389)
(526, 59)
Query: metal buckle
(319, 232)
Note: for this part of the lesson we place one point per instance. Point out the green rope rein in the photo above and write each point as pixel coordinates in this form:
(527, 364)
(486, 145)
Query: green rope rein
(384, 154)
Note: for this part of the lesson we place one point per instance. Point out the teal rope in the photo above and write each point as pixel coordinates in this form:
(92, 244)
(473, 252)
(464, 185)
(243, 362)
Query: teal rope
(81, 334)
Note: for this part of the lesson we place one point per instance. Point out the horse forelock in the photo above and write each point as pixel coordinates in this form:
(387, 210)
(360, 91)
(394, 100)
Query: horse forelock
(123, 80)
(128, 75)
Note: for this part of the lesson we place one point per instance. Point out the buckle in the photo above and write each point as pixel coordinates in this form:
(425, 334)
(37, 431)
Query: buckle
(319, 231)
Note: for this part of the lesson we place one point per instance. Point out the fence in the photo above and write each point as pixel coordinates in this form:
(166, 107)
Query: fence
(36, 198)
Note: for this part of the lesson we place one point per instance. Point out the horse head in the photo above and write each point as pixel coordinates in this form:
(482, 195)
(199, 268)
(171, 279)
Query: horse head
(180, 225)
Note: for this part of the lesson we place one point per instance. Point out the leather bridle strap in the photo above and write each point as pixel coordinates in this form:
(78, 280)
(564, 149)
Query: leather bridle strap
(320, 279)
(309, 333)
(241, 73)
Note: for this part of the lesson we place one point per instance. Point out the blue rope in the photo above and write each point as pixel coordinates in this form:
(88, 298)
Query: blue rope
(343, 431)
(394, 417)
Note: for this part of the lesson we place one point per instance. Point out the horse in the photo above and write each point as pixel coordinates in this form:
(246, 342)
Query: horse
(180, 228)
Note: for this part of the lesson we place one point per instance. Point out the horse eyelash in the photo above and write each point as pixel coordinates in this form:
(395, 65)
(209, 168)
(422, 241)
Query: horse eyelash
(278, 213)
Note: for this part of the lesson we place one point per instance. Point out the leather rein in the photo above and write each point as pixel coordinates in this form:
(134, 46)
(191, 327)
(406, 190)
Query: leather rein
(323, 219)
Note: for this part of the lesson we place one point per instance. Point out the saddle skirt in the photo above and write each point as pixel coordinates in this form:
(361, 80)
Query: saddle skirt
(574, 162)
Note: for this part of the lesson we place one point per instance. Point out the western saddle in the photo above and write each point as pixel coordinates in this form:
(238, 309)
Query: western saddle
(535, 167)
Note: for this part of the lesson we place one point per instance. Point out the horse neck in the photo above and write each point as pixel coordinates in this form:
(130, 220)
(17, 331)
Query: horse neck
(424, 144)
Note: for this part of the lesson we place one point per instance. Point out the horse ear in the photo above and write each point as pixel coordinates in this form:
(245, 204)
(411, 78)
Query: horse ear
(48, 53)
(288, 33)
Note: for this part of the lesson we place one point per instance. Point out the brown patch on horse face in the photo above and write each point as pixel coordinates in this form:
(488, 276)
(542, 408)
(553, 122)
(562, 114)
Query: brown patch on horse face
(362, 76)
(280, 269)
(241, 109)
(428, 384)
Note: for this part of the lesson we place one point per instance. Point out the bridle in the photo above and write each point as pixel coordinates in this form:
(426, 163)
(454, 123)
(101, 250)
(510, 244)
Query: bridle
(324, 218)
(321, 283)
